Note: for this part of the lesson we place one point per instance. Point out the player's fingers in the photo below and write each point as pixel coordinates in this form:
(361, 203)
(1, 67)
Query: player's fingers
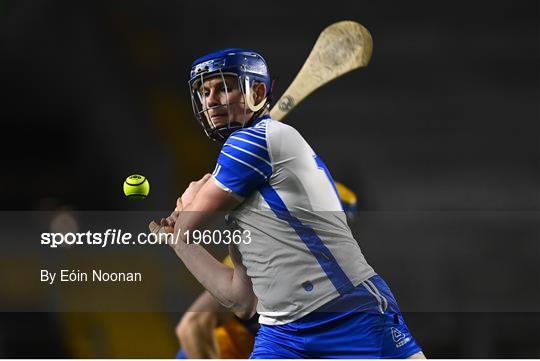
(206, 177)
(157, 228)
(170, 221)
(160, 230)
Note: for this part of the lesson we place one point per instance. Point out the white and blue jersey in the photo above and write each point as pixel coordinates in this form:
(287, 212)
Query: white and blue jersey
(302, 254)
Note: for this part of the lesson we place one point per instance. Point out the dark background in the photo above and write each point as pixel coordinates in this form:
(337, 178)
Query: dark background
(439, 138)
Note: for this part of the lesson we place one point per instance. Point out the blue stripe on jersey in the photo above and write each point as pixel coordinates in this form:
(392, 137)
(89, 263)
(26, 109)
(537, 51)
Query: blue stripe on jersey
(244, 164)
(249, 145)
(323, 255)
(245, 146)
(321, 165)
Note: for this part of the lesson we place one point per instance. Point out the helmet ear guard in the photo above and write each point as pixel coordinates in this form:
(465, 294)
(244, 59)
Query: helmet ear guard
(251, 95)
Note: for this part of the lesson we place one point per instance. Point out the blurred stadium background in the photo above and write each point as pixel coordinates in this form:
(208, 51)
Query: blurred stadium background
(439, 137)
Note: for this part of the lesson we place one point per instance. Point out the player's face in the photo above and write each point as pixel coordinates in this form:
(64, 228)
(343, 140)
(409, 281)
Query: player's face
(223, 101)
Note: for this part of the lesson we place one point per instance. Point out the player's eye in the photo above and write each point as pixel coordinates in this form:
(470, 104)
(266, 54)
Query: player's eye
(223, 88)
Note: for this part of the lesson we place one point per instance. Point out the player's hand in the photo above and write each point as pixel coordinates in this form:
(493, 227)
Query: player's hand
(157, 227)
(192, 190)
(167, 224)
(170, 221)
(164, 224)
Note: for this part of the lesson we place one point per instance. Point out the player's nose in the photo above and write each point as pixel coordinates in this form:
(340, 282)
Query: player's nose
(213, 98)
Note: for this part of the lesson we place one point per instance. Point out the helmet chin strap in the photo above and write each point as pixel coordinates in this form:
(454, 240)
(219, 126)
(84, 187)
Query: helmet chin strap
(249, 98)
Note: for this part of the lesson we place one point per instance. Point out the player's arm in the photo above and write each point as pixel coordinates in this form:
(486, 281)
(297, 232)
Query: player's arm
(251, 300)
(195, 330)
(231, 287)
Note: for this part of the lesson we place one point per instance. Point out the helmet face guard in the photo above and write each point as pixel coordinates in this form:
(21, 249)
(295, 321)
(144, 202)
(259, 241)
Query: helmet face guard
(201, 109)
(246, 68)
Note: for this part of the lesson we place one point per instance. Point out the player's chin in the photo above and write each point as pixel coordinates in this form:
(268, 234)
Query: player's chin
(221, 124)
(220, 121)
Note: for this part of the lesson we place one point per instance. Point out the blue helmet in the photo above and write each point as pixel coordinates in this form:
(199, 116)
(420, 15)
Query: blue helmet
(248, 67)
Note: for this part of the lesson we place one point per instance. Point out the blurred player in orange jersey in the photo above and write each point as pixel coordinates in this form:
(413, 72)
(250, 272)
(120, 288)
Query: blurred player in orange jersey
(209, 330)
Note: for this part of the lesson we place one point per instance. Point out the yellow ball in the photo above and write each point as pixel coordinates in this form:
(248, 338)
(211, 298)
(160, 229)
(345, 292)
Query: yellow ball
(136, 186)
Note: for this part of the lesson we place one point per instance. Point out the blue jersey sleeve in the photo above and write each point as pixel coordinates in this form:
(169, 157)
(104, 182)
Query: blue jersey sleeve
(244, 164)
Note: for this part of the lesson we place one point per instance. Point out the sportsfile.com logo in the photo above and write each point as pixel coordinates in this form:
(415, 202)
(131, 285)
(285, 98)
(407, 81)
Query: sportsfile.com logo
(399, 337)
(118, 237)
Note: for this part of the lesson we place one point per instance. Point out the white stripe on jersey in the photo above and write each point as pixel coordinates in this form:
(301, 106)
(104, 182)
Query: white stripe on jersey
(216, 171)
(247, 141)
(248, 152)
(253, 135)
(244, 163)
(259, 132)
